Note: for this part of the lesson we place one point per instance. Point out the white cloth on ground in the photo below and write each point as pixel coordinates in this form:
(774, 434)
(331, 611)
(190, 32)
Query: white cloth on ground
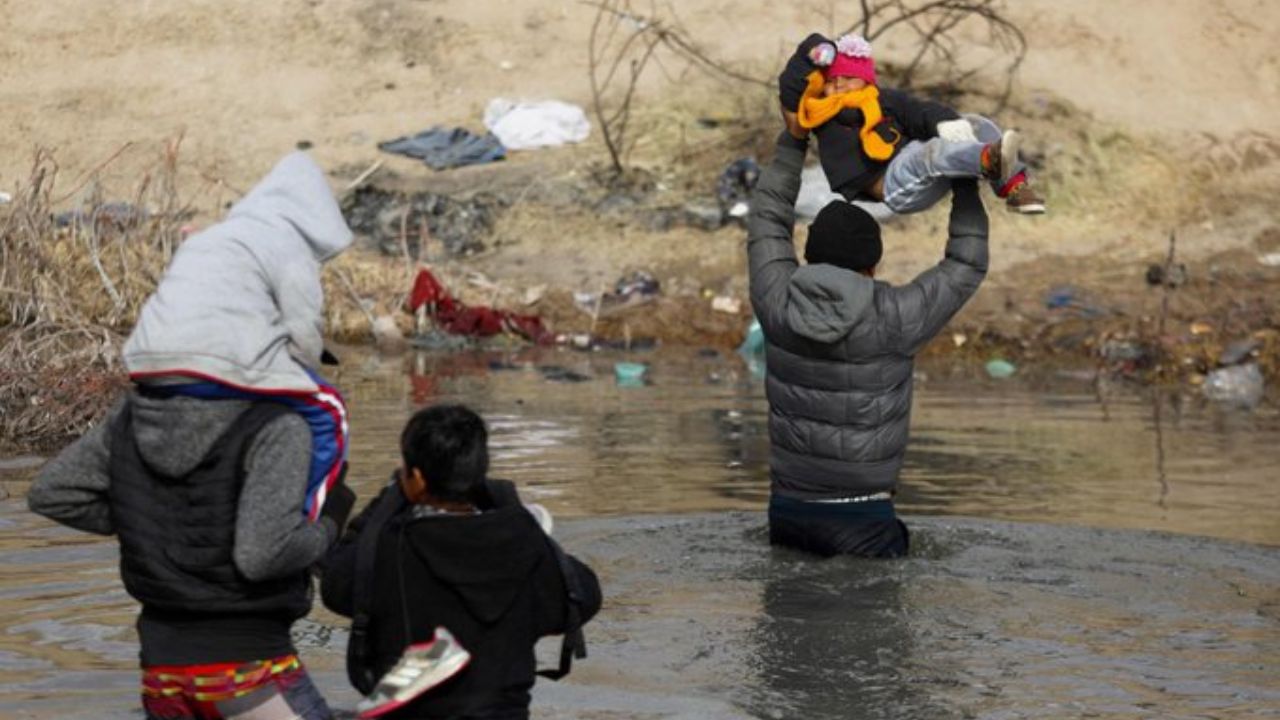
(527, 125)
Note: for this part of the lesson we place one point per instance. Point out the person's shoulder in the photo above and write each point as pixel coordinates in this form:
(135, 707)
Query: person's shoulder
(282, 422)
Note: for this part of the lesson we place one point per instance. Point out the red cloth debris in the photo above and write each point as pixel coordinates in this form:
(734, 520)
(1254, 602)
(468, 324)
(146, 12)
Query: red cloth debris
(454, 317)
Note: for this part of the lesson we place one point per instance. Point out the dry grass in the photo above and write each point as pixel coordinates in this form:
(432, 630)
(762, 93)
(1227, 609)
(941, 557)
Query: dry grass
(70, 288)
(95, 268)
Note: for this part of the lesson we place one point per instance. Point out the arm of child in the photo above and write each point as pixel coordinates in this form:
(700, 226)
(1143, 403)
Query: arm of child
(928, 302)
(72, 488)
(770, 227)
(273, 537)
(338, 571)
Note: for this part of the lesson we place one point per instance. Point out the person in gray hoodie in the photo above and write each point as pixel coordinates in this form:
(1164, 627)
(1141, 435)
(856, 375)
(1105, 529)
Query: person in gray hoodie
(238, 313)
(840, 352)
(206, 491)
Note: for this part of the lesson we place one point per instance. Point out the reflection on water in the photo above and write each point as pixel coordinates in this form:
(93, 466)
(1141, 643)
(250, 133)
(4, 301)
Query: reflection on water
(695, 439)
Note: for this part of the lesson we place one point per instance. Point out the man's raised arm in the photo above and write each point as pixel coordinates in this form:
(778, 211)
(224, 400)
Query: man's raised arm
(928, 302)
(770, 229)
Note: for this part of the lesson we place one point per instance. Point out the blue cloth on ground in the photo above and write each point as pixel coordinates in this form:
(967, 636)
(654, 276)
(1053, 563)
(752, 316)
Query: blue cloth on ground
(443, 148)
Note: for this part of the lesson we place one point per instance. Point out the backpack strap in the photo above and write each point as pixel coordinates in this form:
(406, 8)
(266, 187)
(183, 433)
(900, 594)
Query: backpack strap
(503, 493)
(574, 644)
(360, 669)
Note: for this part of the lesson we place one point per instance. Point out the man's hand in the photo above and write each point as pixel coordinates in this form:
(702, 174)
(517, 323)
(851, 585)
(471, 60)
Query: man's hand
(795, 76)
(793, 125)
(339, 503)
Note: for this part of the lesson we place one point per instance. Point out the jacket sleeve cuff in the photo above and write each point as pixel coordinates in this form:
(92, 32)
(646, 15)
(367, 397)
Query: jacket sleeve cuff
(788, 141)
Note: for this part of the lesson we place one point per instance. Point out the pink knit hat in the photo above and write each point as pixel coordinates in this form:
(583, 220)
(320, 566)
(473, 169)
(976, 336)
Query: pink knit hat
(853, 59)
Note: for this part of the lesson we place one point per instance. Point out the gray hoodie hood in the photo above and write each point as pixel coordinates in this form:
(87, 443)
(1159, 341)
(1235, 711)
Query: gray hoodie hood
(242, 301)
(174, 434)
(824, 302)
(295, 196)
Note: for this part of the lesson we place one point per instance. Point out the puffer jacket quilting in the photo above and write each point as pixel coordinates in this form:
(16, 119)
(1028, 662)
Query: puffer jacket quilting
(840, 347)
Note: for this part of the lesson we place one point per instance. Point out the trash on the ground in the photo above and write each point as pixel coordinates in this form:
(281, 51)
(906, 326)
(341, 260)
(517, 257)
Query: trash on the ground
(461, 226)
(1270, 259)
(531, 125)
(700, 214)
(1199, 328)
(1239, 351)
(1000, 369)
(733, 187)
(1077, 375)
(453, 316)
(623, 344)
(577, 341)
(752, 348)
(703, 215)
(633, 289)
(557, 373)
(1068, 298)
(435, 339)
(711, 122)
(615, 202)
(1172, 277)
(444, 148)
(112, 215)
(1237, 385)
(630, 374)
(387, 335)
(959, 339)
(753, 343)
(533, 295)
(1125, 351)
(5, 198)
(1061, 297)
(726, 304)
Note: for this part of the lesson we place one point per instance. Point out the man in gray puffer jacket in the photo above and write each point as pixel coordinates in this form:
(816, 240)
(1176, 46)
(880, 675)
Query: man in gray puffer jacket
(840, 350)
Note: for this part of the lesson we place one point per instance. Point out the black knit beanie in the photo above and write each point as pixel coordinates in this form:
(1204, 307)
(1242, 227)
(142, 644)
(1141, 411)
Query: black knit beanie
(844, 235)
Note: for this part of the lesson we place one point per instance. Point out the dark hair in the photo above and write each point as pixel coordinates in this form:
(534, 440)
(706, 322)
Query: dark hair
(844, 235)
(449, 444)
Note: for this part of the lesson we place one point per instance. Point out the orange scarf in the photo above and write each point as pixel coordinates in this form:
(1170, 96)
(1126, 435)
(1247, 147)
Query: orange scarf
(816, 110)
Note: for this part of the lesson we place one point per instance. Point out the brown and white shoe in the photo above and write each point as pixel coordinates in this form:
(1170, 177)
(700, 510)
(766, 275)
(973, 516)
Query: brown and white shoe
(1024, 199)
(1000, 158)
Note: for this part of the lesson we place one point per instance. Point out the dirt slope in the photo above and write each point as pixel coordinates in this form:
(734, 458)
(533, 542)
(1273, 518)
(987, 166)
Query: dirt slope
(1175, 120)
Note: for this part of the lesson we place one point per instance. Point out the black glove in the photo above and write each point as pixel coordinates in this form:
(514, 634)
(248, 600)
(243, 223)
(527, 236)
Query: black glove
(795, 76)
(338, 505)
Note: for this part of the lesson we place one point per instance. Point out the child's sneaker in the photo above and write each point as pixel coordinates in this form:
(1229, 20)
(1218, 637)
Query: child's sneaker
(421, 667)
(1025, 200)
(1000, 158)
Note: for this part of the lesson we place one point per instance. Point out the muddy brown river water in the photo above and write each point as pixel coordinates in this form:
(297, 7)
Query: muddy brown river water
(1076, 554)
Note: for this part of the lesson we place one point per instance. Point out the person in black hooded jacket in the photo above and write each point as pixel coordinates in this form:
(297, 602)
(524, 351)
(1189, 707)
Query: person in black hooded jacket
(451, 556)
